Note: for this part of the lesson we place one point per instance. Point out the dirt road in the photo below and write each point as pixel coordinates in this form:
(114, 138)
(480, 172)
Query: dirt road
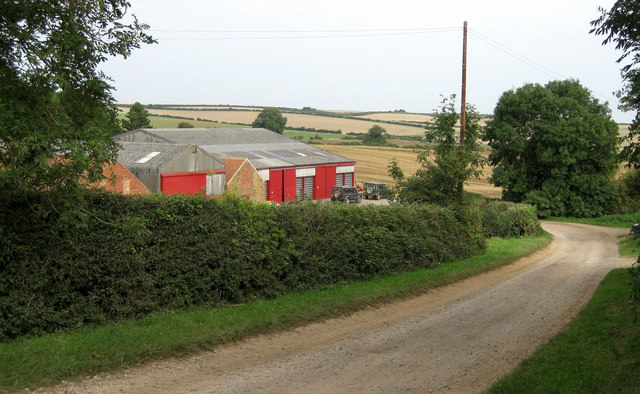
(459, 338)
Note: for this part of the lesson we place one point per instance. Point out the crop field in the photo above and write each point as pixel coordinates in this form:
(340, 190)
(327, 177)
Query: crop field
(293, 120)
(373, 162)
(399, 117)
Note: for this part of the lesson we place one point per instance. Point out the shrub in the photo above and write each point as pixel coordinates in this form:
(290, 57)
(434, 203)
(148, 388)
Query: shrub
(506, 219)
(135, 255)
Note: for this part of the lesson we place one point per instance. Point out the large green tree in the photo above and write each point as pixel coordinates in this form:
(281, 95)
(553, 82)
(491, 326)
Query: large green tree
(57, 115)
(441, 178)
(621, 25)
(555, 146)
(377, 135)
(136, 118)
(270, 119)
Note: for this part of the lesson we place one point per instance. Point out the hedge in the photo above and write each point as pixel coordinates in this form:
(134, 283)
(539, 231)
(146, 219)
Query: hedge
(124, 257)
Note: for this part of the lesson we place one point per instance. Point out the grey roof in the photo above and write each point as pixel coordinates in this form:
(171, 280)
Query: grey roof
(152, 155)
(263, 148)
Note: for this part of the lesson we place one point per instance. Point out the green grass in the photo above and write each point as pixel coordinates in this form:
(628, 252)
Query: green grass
(629, 247)
(31, 362)
(164, 122)
(598, 353)
(308, 134)
(617, 220)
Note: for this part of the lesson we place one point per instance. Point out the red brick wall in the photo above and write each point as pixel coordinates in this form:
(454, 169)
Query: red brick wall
(124, 183)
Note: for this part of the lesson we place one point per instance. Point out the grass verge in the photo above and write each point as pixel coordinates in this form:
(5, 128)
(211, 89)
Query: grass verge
(30, 362)
(618, 220)
(598, 352)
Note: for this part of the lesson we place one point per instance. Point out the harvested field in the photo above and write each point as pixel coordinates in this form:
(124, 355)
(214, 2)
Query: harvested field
(293, 120)
(399, 117)
(372, 164)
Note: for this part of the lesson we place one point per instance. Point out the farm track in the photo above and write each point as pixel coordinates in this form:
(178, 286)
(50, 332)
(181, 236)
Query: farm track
(458, 338)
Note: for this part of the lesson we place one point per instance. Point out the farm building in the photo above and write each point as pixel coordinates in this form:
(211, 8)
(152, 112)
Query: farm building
(120, 180)
(288, 168)
(243, 179)
(174, 168)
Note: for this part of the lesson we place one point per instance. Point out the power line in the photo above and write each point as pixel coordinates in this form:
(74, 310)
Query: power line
(526, 60)
(518, 56)
(307, 34)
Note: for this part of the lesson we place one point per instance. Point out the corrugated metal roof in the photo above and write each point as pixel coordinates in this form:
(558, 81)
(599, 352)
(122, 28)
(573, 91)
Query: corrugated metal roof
(263, 148)
(156, 155)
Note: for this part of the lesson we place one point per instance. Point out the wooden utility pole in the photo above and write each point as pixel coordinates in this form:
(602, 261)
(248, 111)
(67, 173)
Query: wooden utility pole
(463, 115)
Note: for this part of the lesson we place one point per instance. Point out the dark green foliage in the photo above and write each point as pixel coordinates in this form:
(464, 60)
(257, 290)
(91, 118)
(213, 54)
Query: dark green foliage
(630, 191)
(137, 118)
(270, 119)
(620, 26)
(54, 101)
(185, 125)
(376, 135)
(555, 147)
(506, 219)
(441, 180)
(145, 254)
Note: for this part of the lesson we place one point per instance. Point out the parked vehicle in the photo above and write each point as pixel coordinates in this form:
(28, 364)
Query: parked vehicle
(345, 194)
(374, 190)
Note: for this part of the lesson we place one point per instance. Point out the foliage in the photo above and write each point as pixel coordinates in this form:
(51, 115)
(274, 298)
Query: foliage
(376, 135)
(555, 147)
(620, 26)
(185, 125)
(36, 361)
(630, 190)
(156, 253)
(137, 118)
(270, 119)
(505, 219)
(54, 101)
(441, 181)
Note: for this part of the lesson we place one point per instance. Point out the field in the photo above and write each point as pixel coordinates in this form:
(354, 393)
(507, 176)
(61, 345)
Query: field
(293, 120)
(372, 164)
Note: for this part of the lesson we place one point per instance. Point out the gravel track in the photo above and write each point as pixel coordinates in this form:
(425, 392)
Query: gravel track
(458, 338)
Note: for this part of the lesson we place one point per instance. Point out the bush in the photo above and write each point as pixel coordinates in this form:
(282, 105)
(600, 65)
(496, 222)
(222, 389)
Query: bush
(506, 219)
(136, 255)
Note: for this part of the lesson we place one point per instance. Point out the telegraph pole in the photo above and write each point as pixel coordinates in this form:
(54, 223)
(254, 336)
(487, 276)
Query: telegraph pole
(463, 115)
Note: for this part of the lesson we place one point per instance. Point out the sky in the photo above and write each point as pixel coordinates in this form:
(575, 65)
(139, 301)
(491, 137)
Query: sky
(361, 55)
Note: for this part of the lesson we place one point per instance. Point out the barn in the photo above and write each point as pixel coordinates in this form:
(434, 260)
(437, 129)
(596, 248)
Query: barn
(174, 168)
(290, 169)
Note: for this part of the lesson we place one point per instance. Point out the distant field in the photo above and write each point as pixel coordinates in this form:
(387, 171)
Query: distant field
(399, 117)
(293, 120)
(373, 162)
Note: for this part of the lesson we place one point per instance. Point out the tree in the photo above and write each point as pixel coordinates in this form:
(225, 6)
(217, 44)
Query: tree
(376, 135)
(554, 146)
(441, 180)
(137, 118)
(620, 26)
(271, 119)
(57, 115)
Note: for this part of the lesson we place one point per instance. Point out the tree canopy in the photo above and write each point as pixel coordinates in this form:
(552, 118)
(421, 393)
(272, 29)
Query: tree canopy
(376, 135)
(554, 146)
(57, 115)
(137, 118)
(270, 119)
(620, 26)
(440, 179)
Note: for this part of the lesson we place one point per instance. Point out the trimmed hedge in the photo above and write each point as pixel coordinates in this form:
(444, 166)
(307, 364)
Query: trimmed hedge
(136, 255)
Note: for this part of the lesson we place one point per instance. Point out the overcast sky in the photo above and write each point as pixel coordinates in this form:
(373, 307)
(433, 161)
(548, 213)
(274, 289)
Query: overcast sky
(361, 55)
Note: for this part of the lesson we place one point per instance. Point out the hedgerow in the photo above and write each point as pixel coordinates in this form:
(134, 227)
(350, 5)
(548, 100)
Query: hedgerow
(125, 257)
(506, 219)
